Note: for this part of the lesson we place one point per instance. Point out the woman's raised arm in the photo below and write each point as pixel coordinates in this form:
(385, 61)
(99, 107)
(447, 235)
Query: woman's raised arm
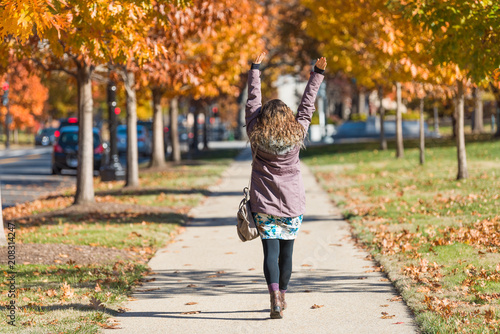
(306, 107)
(254, 101)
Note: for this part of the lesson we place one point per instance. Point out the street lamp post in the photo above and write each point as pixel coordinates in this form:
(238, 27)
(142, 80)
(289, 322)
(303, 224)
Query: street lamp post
(8, 116)
(113, 170)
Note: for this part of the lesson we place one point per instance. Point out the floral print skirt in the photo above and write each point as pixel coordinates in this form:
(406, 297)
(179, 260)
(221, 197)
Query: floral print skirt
(274, 227)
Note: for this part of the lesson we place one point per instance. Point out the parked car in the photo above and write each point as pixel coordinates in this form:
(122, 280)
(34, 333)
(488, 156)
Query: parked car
(149, 126)
(45, 137)
(71, 121)
(144, 143)
(65, 153)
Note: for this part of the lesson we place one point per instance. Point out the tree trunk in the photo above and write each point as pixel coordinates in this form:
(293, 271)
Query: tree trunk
(496, 92)
(399, 124)
(194, 143)
(158, 154)
(85, 171)
(422, 133)
(361, 103)
(436, 120)
(132, 178)
(174, 129)
(205, 128)
(242, 101)
(497, 134)
(383, 140)
(3, 237)
(454, 120)
(478, 111)
(461, 153)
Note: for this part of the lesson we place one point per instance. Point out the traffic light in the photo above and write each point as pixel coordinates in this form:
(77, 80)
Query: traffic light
(215, 111)
(5, 96)
(117, 111)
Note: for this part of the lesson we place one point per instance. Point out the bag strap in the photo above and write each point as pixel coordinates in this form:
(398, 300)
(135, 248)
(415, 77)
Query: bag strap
(246, 191)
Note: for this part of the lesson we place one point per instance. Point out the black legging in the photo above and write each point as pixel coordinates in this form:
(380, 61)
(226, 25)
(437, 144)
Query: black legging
(278, 261)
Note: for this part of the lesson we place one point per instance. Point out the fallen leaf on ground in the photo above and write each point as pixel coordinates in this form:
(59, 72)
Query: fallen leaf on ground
(191, 312)
(306, 265)
(337, 245)
(51, 293)
(396, 299)
(219, 285)
(191, 286)
(191, 303)
(363, 277)
(97, 287)
(67, 291)
(398, 323)
(384, 305)
(96, 304)
(108, 326)
(384, 280)
(251, 269)
(316, 306)
(386, 315)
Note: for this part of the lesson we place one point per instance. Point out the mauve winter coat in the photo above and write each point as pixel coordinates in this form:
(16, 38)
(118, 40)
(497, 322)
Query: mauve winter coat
(276, 184)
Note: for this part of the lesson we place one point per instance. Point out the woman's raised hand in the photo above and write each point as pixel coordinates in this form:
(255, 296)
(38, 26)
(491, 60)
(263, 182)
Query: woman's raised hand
(321, 63)
(259, 58)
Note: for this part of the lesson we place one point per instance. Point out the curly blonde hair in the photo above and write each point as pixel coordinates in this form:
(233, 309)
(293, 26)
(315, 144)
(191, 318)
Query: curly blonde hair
(277, 131)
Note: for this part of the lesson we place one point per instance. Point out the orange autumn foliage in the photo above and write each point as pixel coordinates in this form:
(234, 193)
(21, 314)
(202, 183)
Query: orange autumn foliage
(27, 97)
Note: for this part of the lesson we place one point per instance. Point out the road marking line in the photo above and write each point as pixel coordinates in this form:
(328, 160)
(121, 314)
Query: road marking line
(17, 159)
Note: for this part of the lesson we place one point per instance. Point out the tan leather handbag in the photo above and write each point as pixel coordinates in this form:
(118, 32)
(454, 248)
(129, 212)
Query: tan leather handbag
(246, 228)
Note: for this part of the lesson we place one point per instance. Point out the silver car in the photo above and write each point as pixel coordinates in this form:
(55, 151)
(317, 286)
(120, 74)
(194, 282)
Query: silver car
(144, 143)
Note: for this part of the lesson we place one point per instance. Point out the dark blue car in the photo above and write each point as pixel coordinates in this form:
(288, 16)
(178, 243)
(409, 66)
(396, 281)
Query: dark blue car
(45, 137)
(65, 153)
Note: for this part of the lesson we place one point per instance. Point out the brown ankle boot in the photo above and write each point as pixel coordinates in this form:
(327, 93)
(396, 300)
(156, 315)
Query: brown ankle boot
(276, 306)
(283, 302)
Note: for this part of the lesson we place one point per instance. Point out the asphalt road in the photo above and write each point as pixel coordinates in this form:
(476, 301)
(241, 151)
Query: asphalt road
(25, 175)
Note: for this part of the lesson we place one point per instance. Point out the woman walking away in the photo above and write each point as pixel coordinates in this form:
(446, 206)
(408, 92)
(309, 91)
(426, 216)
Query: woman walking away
(277, 197)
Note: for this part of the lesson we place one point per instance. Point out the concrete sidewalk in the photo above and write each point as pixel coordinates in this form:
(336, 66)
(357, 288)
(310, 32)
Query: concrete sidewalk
(209, 266)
